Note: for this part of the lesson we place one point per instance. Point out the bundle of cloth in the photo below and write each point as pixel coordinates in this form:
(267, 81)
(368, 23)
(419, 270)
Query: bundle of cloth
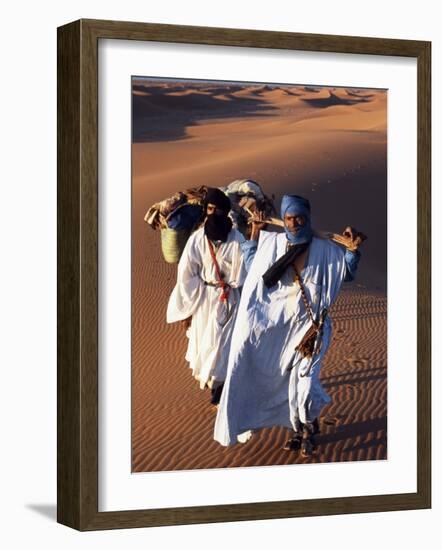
(247, 198)
(182, 213)
(183, 210)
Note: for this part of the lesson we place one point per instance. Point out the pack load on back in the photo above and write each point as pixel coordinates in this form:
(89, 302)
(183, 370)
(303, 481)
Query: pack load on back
(179, 215)
(176, 217)
(247, 199)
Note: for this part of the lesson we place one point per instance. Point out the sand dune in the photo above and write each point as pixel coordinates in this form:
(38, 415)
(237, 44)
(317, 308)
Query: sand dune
(335, 155)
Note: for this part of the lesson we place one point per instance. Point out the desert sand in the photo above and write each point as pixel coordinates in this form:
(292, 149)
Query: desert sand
(327, 144)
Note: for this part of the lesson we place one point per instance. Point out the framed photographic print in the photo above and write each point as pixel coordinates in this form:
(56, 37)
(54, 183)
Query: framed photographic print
(243, 275)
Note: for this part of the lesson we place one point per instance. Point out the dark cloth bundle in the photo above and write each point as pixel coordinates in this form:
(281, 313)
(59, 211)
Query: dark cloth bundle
(277, 270)
(186, 216)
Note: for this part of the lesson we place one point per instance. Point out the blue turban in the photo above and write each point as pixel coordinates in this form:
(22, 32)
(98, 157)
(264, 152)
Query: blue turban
(297, 206)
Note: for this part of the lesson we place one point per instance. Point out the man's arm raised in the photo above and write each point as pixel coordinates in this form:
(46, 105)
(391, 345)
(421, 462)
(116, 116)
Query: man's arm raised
(249, 247)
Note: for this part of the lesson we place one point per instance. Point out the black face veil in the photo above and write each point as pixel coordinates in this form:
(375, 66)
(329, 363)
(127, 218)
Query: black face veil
(217, 225)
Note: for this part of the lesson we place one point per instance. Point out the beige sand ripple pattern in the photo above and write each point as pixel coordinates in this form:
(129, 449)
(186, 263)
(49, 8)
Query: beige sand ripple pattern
(177, 435)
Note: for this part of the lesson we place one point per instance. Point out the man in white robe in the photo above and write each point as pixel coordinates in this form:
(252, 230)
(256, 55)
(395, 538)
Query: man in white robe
(269, 381)
(211, 272)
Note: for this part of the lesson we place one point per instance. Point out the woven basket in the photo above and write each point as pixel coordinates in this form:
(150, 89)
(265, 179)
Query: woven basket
(173, 242)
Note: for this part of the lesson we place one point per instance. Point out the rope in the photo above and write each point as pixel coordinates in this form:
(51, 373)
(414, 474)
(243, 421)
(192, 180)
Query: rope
(225, 287)
(309, 347)
(308, 308)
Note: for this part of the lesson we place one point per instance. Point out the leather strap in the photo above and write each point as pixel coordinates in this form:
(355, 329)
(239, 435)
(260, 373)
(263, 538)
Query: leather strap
(225, 287)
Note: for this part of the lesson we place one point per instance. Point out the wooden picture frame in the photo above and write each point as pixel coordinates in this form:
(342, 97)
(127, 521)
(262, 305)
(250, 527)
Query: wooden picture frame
(77, 226)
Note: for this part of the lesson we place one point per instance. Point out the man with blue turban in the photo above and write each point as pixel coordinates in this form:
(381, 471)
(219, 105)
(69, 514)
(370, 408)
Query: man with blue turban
(282, 330)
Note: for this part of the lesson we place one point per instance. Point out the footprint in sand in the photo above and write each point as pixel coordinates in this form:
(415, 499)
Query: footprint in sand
(358, 362)
(330, 420)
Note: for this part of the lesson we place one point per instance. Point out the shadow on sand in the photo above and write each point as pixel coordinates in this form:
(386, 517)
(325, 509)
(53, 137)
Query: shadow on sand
(350, 379)
(356, 429)
(164, 113)
(333, 100)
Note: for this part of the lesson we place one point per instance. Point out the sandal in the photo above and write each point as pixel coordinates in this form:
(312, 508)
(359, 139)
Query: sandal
(294, 443)
(307, 448)
(307, 445)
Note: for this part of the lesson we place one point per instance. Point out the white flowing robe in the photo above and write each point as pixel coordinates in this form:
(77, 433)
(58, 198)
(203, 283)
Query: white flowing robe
(264, 385)
(212, 320)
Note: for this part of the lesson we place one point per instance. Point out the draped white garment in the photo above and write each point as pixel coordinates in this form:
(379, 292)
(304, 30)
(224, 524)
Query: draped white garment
(264, 385)
(212, 320)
